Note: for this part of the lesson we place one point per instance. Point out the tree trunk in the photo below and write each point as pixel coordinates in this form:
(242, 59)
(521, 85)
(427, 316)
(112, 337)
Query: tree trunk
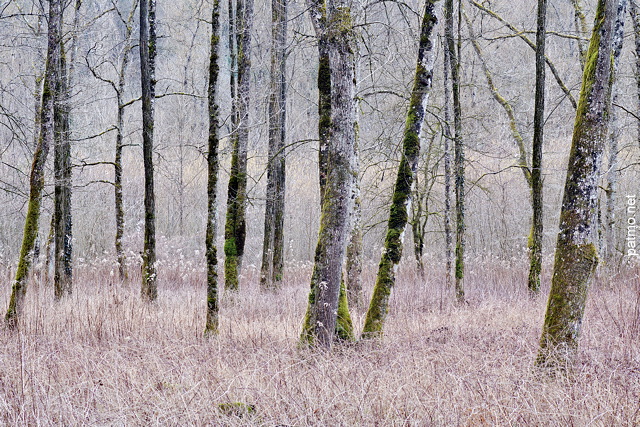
(614, 136)
(581, 29)
(576, 255)
(458, 147)
(211, 326)
(273, 246)
(324, 311)
(537, 225)
(236, 227)
(36, 178)
(62, 189)
(147, 68)
(448, 240)
(353, 267)
(379, 306)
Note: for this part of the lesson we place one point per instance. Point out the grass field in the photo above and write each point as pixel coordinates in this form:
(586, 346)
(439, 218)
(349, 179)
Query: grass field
(102, 357)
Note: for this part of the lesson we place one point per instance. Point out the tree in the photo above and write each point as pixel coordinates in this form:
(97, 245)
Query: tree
(235, 227)
(211, 326)
(458, 146)
(576, 253)
(36, 178)
(635, 18)
(398, 216)
(537, 225)
(147, 73)
(337, 184)
(273, 246)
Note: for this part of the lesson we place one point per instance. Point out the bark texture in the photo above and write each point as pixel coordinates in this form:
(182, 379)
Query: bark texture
(324, 312)
(213, 166)
(236, 226)
(635, 19)
(458, 146)
(614, 136)
(147, 68)
(273, 243)
(36, 177)
(537, 225)
(576, 254)
(398, 216)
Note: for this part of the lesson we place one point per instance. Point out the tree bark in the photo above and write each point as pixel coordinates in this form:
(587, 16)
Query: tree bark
(581, 29)
(385, 281)
(458, 148)
(635, 18)
(36, 177)
(236, 227)
(273, 244)
(614, 135)
(62, 277)
(323, 312)
(213, 166)
(537, 224)
(147, 68)
(576, 254)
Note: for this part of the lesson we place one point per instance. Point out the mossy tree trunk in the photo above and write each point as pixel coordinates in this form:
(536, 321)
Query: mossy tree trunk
(576, 254)
(147, 68)
(614, 136)
(213, 166)
(537, 224)
(273, 243)
(458, 146)
(398, 216)
(36, 177)
(235, 226)
(327, 312)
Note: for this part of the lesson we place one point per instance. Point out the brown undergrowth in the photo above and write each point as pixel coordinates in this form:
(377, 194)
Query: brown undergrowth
(103, 357)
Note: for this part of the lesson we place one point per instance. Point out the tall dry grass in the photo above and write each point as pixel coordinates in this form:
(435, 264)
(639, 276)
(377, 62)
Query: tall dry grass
(102, 357)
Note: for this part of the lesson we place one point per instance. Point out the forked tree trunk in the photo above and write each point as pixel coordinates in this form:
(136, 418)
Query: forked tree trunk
(36, 177)
(273, 243)
(147, 68)
(398, 216)
(117, 162)
(235, 226)
(321, 323)
(211, 326)
(576, 254)
(537, 225)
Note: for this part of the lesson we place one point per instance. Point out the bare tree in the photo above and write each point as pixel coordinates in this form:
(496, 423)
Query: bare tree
(537, 225)
(235, 226)
(36, 178)
(323, 311)
(379, 306)
(213, 166)
(273, 246)
(576, 253)
(147, 71)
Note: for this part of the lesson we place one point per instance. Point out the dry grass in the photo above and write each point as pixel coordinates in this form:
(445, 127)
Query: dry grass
(104, 358)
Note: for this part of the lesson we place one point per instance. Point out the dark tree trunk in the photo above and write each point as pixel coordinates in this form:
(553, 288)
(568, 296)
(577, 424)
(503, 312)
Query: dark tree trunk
(36, 178)
(635, 18)
(576, 254)
(537, 229)
(273, 246)
(458, 146)
(236, 227)
(147, 71)
(211, 326)
(62, 185)
(379, 306)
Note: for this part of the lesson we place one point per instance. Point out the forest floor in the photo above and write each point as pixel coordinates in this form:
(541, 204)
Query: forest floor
(102, 357)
